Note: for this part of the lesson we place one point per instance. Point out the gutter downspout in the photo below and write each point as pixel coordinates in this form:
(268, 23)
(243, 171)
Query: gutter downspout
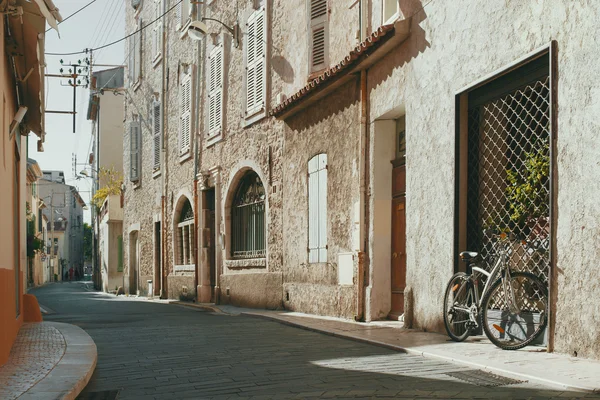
(163, 175)
(363, 203)
(196, 146)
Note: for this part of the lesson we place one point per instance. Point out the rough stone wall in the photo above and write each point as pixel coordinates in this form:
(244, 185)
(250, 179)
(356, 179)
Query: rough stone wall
(449, 49)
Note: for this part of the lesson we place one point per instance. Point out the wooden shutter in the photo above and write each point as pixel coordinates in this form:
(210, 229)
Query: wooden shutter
(255, 62)
(185, 112)
(317, 209)
(157, 31)
(215, 94)
(156, 133)
(319, 34)
(178, 14)
(134, 151)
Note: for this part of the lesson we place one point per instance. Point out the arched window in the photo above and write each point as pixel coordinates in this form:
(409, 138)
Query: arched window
(184, 254)
(248, 218)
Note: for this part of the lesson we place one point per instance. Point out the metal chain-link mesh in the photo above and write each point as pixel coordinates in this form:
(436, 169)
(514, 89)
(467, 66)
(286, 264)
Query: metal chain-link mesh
(508, 177)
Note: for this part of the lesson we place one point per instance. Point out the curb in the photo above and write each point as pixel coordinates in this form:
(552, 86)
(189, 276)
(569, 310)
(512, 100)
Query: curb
(408, 350)
(72, 373)
(206, 307)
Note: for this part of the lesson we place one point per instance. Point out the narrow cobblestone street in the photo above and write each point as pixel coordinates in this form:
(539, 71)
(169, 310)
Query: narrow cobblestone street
(152, 350)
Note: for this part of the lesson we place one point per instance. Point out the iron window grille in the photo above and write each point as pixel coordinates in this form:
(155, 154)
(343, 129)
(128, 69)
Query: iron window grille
(509, 175)
(185, 235)
(248, 218)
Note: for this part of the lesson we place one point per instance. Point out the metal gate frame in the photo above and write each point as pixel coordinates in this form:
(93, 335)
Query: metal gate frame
(461, 177)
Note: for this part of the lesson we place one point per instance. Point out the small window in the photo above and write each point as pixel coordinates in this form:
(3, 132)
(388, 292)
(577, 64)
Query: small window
(184, 239)
(248, 218)
(317, 209)
(215, 92)
(135, 145)
(157, 30)
(156, 133)
(255, 63)
(318, 35)
(391, 11)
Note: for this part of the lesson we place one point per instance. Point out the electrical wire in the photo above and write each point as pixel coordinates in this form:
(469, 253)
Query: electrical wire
(110, 29)
(116, 41)
(101, 22)
(104, 33)
(76, 12)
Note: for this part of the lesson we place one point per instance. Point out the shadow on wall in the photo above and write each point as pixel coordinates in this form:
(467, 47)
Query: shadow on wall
(336, 102)
(283, 68)
(411, 48)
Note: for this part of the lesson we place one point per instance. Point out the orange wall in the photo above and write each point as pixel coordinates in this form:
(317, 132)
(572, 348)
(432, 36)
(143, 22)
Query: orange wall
(9, 322)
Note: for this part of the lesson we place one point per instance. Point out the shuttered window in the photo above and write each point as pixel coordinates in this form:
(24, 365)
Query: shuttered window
(255, 63)
(318, 35)
(156, 133)
(157, 30)
(137, 50)
(215, 93)
(185, 111)
(183, 13)
(135, 145)
(317, 209)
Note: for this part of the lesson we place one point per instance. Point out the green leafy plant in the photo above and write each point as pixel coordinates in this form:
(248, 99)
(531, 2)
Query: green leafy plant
(527, 190)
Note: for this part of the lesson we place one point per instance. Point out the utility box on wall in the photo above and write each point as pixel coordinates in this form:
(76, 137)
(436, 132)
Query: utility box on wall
(345, 268)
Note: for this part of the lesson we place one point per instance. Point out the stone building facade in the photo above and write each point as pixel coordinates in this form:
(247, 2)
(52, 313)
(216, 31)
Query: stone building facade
(351, 189)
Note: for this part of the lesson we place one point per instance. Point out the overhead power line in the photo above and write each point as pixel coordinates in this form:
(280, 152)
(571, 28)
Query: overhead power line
(116, 41)
(76, 12)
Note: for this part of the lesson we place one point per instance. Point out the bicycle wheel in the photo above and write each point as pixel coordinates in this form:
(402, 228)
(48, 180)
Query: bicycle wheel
(458, 300)
(515, 314)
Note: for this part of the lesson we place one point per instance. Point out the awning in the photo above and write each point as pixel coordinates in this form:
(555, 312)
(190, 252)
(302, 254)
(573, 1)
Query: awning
(363, 56)
(28, 34)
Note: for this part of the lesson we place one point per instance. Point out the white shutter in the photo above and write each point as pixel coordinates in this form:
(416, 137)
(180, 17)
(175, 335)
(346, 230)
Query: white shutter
(215, 94)
(255, 62)
(134, 151)
(322, 207)
(156, 133)
(317, 209)
(157, 31)
(137, 51)
(185, 112)
(319, 34)
(131, 58)
(178, 14)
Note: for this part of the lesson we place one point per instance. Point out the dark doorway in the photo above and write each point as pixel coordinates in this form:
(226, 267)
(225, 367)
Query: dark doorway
(212, 248)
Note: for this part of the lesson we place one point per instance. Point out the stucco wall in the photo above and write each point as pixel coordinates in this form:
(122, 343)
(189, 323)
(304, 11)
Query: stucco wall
(449, 49)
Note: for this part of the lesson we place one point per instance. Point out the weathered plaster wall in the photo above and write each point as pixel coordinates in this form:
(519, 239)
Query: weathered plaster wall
(449, 49)
(330, 126)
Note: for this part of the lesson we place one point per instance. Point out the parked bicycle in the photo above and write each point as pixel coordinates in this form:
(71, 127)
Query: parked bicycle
(512, 307)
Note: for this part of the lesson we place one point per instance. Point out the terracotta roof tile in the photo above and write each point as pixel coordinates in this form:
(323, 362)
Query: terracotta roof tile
(370, 43)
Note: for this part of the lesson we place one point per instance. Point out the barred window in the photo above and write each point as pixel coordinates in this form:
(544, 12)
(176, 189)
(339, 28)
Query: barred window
(184, 241)
(248, 218)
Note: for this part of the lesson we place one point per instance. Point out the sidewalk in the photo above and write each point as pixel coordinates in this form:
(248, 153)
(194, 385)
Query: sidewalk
(49, 360)
(530, 363)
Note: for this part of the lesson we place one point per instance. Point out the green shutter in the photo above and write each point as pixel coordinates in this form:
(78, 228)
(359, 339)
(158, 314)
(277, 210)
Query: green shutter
(120, 255)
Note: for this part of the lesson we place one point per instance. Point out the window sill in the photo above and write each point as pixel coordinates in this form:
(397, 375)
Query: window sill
(184, 28)
(137, 85)
(157, 60)
(156, 174)
(137, 184)
(184, 268)
(213, 139)
(246, 263)
(185, 156)
(255, 117)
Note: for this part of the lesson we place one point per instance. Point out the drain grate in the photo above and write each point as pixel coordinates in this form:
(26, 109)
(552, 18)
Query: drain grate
(103, 395)
(482, 378)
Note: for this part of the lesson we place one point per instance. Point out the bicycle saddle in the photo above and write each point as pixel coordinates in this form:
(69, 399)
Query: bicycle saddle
(469, 256)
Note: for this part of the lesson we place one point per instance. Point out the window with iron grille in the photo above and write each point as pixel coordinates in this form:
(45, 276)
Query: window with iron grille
(248, 218)
(508, 167)
(184, 236)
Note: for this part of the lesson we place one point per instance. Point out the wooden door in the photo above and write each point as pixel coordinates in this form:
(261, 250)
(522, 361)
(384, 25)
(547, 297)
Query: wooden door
(398, 256)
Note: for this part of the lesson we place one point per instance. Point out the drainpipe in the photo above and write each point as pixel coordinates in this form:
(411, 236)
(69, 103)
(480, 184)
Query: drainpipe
(163, 175)
(363, 203)
(196, 145)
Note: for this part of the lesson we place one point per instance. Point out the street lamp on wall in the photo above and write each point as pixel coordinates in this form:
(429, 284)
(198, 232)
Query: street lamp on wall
(198, 29)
